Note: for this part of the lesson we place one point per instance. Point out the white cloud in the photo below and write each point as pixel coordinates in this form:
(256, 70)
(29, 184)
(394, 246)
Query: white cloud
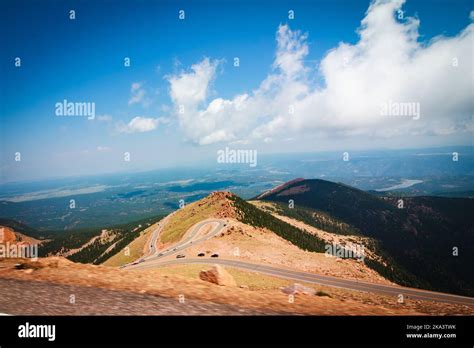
(291, 51)
(388, 63)
(191, 88)
(138, 95)
(141, 124)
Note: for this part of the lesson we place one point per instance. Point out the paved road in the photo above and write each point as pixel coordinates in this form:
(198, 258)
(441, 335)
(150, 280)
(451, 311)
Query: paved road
(42, 298)
(416, 294)
(154, 236)
(186, 243)
(191, 239)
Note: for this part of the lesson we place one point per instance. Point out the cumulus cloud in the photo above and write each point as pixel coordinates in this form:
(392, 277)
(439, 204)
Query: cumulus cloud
(387, 65)
(141, 124)
(191, 88)
(189, 92)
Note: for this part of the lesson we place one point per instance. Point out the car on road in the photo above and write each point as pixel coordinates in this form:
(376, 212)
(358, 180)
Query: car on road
(142, 260)
(201, 254)
(160, 254)
(215, 255)
(180, 256)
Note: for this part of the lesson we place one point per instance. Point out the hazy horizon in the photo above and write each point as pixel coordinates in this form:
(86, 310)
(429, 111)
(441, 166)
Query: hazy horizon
(210, 161)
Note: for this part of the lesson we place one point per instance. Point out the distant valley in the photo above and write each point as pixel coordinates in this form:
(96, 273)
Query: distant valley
(121, 198)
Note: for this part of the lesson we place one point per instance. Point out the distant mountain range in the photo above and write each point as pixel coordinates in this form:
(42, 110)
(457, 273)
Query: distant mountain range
(119, 198)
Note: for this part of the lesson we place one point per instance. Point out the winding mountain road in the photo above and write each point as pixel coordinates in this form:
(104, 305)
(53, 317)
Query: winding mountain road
(156, 260)
(187, 242)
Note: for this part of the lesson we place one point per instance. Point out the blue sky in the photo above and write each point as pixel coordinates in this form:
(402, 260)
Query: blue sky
(82, 60)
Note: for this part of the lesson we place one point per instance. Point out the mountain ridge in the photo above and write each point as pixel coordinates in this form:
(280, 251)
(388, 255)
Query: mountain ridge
(419, 234)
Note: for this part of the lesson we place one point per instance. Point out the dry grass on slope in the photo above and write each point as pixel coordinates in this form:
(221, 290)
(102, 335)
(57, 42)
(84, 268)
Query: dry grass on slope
(215, 205)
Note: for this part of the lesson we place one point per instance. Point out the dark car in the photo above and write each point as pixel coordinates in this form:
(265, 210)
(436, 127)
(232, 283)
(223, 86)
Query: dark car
(141, 261)
(180, 256)
(201, 254)
(215, 255)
